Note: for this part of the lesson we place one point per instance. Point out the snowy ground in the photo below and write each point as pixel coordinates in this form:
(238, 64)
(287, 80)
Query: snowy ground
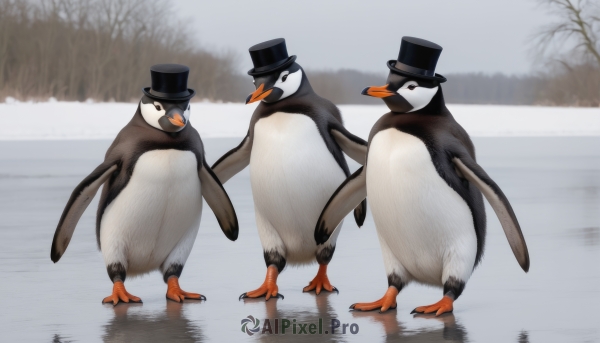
(72, 120)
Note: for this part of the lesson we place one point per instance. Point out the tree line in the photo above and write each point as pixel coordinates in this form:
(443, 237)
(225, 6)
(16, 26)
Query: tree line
(102, 49)
(344, 87)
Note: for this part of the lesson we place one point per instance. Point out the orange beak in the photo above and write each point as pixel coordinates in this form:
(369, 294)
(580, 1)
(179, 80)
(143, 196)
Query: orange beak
(177, 120)
(377, 92)
(258, 94)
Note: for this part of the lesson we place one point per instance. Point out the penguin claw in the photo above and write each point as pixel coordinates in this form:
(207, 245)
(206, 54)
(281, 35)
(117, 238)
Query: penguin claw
(269, 287)
(120, 294)
(175, 293)
(320, 282)
(278, 296)
(118, 301)
(387, 302)
(391, 308)
(443, 306)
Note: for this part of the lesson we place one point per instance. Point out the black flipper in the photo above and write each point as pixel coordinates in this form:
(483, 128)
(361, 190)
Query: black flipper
(80, 199)
(218, 200)
(233, 161)
(360, 213)
(471, 171)
(356, 148)
(348, 195)
(351, 145)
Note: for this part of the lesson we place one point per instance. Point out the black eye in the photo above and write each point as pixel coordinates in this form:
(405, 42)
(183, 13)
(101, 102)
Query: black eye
(411, 87)
(284, 77)
(188, 107)
(157, 107)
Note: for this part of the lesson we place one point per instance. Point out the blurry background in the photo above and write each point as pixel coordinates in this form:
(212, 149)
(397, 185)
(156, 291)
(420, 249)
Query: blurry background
(542, 52)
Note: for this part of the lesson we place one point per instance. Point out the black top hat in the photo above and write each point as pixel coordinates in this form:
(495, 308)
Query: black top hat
(169, 82)
(417, 58)
(269, 56)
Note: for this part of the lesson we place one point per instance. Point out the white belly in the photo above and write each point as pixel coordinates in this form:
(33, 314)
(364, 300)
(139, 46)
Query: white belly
(293, 175)
(424, 222)
(161, 202)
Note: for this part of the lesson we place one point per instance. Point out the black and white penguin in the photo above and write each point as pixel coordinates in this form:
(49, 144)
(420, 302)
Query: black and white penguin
(154, 177)
(294, 148)
(424, 187)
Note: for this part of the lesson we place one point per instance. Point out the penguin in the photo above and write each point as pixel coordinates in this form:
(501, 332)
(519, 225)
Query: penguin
(294, 148)
(424, 187)
(154, 176)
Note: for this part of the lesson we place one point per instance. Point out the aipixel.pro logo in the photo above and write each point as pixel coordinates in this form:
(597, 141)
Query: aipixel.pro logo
(252, 326)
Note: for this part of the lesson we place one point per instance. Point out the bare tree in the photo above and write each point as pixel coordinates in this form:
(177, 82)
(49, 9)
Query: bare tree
(571, 49)
(579, 21)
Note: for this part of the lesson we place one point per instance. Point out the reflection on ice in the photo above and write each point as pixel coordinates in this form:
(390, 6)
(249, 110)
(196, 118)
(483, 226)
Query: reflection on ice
(553, 185)
(59, 339)
(395, 331)
(323, 310)
(130, 325)
(523, 337)
(588, 236)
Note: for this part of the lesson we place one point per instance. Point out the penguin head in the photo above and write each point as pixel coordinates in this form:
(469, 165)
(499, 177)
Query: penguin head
(168, 116)
(403, 94)
(277, 85)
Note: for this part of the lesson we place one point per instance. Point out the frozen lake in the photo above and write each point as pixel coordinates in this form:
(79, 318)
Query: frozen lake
(552, 183)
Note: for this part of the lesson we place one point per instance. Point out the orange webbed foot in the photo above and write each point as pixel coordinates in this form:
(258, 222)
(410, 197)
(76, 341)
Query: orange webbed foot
(175, 293)
(440, 307)
(320, 282)
(387, 302)
(268, 289)
(120, 294)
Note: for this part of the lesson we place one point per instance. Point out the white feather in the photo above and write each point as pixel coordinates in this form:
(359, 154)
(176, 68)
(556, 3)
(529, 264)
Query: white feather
(186, 114)
(418, 97)
(291, 83)
(160, 206)
(293, 175)
(151, 114)
(182, 250)
(427, 227)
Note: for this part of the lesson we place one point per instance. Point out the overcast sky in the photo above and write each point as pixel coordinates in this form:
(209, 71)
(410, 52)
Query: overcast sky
(477, 35)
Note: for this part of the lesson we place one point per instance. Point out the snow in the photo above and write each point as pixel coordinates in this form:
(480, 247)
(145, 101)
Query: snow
(54, 120)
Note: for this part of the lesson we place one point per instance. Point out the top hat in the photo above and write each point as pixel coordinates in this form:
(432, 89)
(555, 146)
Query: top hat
(169, 82)
(417, 58)
(269, 56)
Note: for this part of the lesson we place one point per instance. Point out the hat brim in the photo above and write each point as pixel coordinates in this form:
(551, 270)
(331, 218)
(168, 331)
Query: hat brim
(146, 92)
(289, 61)
(392, 65)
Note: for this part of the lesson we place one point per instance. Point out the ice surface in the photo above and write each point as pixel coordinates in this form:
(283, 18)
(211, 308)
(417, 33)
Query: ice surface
(73, 120)
(553, 185)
